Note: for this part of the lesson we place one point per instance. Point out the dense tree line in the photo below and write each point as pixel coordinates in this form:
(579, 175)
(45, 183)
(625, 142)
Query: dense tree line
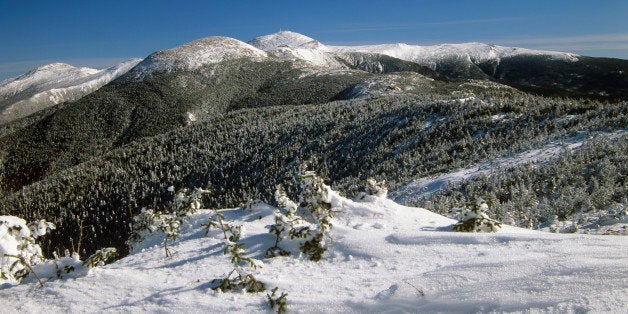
(244, 153)
(586, 186)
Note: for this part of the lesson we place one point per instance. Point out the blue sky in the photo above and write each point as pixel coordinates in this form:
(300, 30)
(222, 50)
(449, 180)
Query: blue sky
(100, 33)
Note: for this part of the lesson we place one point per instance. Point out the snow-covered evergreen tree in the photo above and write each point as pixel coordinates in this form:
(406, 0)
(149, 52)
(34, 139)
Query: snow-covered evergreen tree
(310, 222)
(18, 248)
(473, 218)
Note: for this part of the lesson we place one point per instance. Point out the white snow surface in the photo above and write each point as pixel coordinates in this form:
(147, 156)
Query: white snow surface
(383, 257)
(294, 46)
(52, 84)
(476, 52)
(195, 54)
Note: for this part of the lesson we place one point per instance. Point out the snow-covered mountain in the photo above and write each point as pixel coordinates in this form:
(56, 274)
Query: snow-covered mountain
(429, 55)
(52, 84)
(195, 54)
(383, 257)
(291, 45)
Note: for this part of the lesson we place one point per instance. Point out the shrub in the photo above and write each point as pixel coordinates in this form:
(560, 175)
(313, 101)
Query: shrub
(18, 248)
(472, 218)
(310, 222)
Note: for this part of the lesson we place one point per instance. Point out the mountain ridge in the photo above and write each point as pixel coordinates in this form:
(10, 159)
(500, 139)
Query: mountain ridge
(52, 84)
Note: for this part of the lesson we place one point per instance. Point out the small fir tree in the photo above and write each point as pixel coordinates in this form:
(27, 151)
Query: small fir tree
(473, 218)
(310, 222)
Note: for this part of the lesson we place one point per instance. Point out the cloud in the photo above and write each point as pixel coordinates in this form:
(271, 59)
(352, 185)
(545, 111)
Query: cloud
(617, 41)
(392, 27)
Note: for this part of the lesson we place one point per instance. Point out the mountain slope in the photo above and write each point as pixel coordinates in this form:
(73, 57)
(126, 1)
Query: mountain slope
(196, 54)
(383, 257)
(52, 84)
(219, 112)
(169, 89)
(544, 72)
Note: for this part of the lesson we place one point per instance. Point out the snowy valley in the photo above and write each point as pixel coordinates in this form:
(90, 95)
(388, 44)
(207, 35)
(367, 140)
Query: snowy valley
(382, 257)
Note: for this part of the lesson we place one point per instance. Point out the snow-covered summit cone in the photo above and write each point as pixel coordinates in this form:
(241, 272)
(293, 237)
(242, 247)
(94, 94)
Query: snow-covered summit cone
(195, 54)
(284, 39)
(293, 46)
(52, 84)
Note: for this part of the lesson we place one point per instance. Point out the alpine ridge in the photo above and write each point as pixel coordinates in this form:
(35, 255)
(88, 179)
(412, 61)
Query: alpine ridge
(52, 84)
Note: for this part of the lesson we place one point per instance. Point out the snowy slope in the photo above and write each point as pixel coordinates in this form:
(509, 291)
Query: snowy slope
(195, 54)
(294, 46)
(428, 55)
(384, 257)
(51, 84)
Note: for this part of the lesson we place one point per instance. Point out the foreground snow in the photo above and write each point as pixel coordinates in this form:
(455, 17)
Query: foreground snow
(384, 257)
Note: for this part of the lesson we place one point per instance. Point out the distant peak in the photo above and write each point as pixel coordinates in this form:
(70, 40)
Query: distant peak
(195, 54)
(52, 67)
(283, 39)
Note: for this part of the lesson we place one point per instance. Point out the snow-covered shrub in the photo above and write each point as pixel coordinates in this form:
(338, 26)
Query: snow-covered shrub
(286, 222)
(278, 303)
(374, 188)
(168, 221)
(101, 257)
(242, 280)
(18, 248)
(310, 222)
(473, 218)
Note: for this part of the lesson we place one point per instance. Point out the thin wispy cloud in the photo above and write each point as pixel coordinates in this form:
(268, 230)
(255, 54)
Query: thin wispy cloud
(598, 38)
(393, 27)
(582, 43)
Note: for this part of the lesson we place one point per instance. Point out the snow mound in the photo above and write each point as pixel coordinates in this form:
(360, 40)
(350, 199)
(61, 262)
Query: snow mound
(383, 257)
(198, 53)
(52, 84)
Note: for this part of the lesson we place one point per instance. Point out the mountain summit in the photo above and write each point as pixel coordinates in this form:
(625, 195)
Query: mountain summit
(283, 39)
(195, 54)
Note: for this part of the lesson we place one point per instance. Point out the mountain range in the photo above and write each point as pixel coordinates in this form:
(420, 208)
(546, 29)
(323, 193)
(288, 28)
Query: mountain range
(239, 117)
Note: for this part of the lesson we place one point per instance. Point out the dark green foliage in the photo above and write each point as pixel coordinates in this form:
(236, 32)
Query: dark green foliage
(602, 78)
(101, 257)
(473, 218)
(278, 303)
(246, 151)
(231, 235)
(246, 283)
(585, 186)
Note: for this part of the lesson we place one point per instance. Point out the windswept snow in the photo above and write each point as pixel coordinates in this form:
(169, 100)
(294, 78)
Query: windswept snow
(52, 84)
(383, 257)
(196, 54)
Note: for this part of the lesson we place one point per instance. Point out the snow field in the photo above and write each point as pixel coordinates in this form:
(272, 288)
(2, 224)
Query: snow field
(383, 257)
